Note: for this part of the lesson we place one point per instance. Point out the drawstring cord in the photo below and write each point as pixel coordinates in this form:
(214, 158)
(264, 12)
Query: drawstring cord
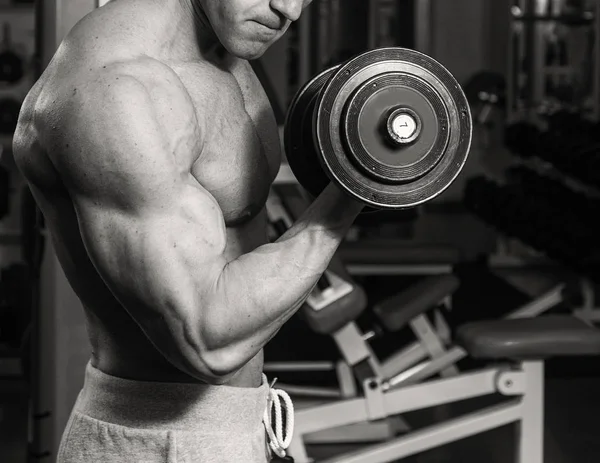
(280, 436)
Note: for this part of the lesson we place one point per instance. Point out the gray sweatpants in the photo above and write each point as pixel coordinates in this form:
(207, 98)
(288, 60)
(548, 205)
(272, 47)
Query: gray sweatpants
(121, 421)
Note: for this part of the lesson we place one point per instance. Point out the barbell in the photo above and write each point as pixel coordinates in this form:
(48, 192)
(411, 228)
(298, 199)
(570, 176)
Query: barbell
(391, 126)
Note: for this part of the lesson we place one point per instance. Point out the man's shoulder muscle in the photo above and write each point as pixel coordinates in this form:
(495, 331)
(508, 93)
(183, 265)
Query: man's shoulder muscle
(88, 120)
(100, 94)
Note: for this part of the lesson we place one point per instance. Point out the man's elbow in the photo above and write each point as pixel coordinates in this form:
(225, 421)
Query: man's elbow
(223, 365)
(209, 366)
(225, 348)
(213, 346)
(211, 361)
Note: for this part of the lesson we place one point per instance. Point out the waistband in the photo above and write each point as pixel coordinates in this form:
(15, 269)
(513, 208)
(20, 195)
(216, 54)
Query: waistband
(172, 406)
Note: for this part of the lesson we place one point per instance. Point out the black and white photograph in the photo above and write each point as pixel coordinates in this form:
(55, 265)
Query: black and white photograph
(307, 231)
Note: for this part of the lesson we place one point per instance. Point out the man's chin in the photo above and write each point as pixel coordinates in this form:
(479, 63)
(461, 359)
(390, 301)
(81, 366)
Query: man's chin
(250, 52)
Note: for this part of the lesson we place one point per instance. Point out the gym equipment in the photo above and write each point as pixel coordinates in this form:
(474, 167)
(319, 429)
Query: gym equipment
(568, 200)
(549, 216)
(9, 115)
(544, 47)
(359, 361)
(485, 91)
(570, 145)
(570, 123)
(521, 345)
(538, 216)
(391, 127)
(409, 308)
(397, 257)
(11, 64)
(520, 138)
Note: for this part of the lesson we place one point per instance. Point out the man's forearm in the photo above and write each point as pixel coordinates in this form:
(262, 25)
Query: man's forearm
(261, 290)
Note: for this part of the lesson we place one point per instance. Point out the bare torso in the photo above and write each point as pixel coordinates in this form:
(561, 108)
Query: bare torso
(222, 132)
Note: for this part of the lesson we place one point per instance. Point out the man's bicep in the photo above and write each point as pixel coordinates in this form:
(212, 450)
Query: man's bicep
(161, 270)
(152, 259)
(162, 265)
(156, 239)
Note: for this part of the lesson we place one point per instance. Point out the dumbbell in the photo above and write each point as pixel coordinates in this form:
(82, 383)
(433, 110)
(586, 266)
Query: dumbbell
(554, 191)
(391, 127)
(561, 121)
(521, 137)
(584, 163)
(575, 154)
(572, 124)
(546, 223)
(517, 214)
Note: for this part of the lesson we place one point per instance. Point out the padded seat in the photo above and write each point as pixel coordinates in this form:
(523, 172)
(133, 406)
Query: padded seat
(397, 311)
(529, 338)
(343, 311)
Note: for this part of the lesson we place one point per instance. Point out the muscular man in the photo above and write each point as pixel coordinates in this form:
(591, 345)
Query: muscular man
(150, 147)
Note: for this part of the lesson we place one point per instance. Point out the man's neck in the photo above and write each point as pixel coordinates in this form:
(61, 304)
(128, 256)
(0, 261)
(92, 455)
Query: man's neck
(190, 34)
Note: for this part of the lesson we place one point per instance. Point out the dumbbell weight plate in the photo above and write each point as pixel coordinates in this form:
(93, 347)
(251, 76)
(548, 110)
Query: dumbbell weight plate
(298, 137)
(359, 147)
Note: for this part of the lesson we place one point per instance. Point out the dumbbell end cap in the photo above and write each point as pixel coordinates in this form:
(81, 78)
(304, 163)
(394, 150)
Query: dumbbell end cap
(403, 126)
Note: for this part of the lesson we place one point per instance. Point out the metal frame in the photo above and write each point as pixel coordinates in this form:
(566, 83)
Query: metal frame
(433, 340)
(431, 344)
(526, 382)
(589, 311)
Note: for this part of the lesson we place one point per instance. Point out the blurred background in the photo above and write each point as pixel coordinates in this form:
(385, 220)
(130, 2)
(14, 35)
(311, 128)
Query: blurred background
(519, 220)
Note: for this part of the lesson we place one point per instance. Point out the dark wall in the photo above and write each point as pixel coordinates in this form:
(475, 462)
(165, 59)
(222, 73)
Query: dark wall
(405, 24)
(354, 25)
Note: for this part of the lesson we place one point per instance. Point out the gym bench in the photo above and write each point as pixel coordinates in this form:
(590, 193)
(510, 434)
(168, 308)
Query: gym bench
(518, 347)
(408, 366)
(394, 313)
(406, 309)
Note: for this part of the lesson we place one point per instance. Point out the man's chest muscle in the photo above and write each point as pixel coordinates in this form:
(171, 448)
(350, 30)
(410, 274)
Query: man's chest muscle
(239, 153)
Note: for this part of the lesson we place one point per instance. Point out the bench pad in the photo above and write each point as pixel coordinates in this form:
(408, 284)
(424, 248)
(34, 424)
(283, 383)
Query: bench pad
(397, 311)
(529, 338)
